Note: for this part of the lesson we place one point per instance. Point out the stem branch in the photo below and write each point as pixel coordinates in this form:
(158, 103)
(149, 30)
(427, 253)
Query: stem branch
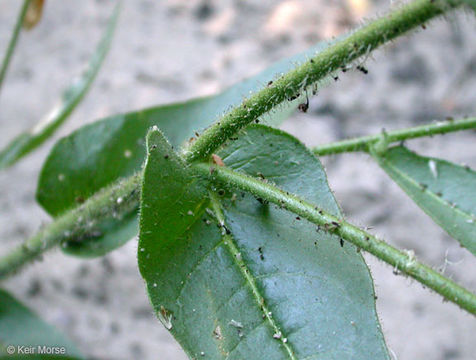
(103, 205)
(290, 85)
(363, 143)
(75, 223)
(404, 262)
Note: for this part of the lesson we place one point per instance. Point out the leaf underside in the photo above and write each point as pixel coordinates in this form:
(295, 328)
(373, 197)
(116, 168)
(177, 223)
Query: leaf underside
(98, 154)
(445, 191)
(247, 280)
(20, 326)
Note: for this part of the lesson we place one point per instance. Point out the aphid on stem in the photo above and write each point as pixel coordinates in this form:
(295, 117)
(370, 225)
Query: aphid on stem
(304, 106)
(362, 69)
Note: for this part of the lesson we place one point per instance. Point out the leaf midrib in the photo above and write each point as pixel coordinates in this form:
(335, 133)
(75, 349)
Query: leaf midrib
(233, 249)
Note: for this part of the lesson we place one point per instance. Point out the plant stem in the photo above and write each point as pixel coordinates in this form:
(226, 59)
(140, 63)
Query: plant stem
(292, 84)
(13, 40)
(404, 262)
(75, 223)
(343, 52)
(363, 143)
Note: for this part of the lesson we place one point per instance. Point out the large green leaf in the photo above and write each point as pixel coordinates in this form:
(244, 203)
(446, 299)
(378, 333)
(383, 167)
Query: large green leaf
(19, 326)
(445, 191)
(249, 280)
(71, 97)
(97, 154)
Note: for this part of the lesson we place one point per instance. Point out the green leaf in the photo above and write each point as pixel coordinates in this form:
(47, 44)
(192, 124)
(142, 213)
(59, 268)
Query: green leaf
(19, 326)
(445, 191)
(96, 155)
(71, 97)
(249, 280)
(171, 202)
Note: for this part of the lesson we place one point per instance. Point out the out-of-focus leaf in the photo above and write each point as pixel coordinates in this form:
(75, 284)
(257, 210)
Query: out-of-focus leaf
(19, 326)
(33, 14)
(96, 155)
(445, 191)
(248, 280)
(71, 97)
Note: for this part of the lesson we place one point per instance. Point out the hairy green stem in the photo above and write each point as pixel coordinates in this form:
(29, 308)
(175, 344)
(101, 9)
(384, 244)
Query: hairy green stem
(13, 40)
(335, 57)
(364, 143)
(70, 225)
(404, 262)
(114, 201)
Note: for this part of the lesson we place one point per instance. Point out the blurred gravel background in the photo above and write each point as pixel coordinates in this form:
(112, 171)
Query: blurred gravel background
(173, 50)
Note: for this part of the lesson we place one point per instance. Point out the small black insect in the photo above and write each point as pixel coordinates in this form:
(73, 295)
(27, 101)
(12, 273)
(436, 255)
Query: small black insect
(304, 106)
(362, 69)
(262, 201)
(261, 256)
(336, 224)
